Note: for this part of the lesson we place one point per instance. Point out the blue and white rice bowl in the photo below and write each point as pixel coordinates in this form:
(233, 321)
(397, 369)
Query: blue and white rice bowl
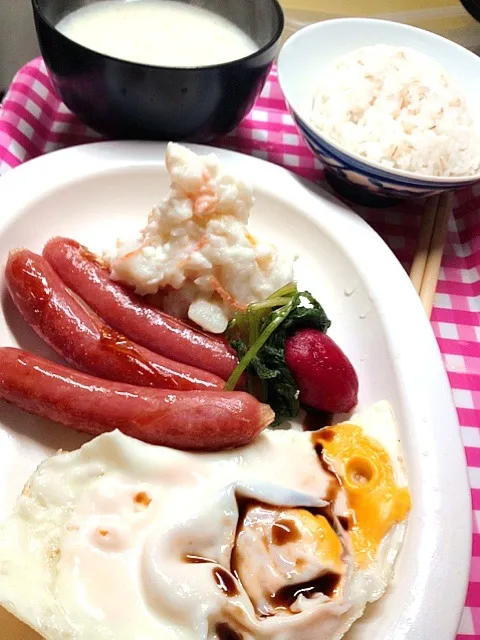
(311, 53)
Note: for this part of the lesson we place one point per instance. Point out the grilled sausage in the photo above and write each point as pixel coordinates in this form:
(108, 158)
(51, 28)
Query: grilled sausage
(81, 337)
(190, 420)
(84, 273)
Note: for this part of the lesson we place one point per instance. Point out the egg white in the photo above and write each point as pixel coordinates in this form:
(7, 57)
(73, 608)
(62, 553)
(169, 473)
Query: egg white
(370, 583)
(82, 559)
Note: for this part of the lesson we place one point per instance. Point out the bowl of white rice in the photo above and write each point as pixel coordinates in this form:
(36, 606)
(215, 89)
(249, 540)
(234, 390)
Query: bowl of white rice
(391, 111)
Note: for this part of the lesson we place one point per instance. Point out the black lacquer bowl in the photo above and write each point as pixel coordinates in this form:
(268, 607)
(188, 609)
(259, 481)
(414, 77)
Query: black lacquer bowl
(129, 100)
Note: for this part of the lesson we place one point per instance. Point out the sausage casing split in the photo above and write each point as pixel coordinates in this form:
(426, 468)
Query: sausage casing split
(121, 308)
(82, 338)
(190, 420)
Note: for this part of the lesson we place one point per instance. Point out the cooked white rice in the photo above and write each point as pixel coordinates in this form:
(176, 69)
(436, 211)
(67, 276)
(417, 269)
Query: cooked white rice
(398, 107)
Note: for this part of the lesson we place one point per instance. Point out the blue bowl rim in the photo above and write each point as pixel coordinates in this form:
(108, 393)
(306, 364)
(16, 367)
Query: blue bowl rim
(372, 168)
(352, 163)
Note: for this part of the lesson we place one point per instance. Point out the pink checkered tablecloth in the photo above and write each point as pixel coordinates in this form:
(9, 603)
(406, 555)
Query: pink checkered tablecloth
(34, 121)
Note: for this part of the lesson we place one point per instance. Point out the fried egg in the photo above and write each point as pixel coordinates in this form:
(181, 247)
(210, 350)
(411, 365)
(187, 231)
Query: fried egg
(287, 538)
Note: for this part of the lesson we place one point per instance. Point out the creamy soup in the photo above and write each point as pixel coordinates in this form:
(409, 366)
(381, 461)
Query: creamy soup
(157, 32)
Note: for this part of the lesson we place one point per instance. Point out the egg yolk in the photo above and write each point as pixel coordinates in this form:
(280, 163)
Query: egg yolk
(328, 546)
(364, 470)
(283, 554)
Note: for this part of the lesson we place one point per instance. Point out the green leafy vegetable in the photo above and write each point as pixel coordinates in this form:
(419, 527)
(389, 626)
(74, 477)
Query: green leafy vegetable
(259, 334)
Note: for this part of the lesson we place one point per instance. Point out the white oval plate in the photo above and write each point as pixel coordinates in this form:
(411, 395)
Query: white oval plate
(94, 192)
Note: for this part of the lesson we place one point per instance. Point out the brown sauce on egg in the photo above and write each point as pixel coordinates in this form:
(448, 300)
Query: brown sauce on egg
(194, 559)
(334, 484)
(325, 584)
(326, 512)
(285, 531)
(345, 522)
(242, 506)
(225, 632)
(332, 491)
(328, 434)
(325, 466)
(225, 582)
(315, 420)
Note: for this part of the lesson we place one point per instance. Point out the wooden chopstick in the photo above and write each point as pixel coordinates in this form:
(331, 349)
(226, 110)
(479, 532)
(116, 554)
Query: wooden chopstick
(424, 239)
(435, 251)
